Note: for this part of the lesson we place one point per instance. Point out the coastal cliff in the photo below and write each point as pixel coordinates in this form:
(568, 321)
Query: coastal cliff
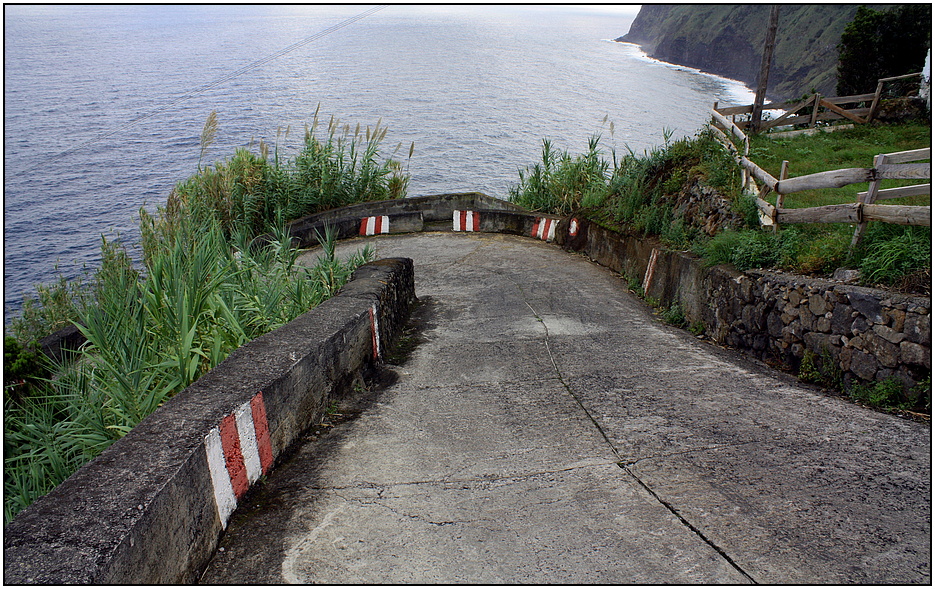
(727, 40)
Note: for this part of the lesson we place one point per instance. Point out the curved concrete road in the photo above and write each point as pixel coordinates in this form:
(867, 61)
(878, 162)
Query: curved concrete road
(547, 429)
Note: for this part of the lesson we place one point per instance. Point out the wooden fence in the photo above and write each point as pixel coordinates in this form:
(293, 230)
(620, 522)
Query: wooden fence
(885, 166)
(814, 109)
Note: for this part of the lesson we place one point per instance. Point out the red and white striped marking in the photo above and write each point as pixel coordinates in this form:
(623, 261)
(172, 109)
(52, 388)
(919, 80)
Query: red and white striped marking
(238, 452)
(465, 221)
(573, 227)
(544, 228)
(374, 225)
(650, 270)
(375, 331)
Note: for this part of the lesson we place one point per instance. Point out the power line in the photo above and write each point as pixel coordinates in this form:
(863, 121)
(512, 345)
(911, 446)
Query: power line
(210, 85)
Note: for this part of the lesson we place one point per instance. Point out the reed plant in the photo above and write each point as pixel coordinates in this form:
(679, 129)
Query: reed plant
(562, 182)
(153, 332)
(202, 287)
(251, 190)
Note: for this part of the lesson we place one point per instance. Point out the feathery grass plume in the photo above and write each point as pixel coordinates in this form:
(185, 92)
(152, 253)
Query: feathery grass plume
(208, 134)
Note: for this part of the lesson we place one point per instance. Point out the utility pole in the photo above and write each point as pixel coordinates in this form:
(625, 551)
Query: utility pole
(764, 67)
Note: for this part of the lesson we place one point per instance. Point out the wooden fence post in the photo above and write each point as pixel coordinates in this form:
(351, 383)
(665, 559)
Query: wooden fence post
(814, 118)
(783, 174)
(764, 68)
(876, 101)
(874, 187)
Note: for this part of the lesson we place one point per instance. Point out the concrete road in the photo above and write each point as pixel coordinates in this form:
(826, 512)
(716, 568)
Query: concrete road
(544, 427)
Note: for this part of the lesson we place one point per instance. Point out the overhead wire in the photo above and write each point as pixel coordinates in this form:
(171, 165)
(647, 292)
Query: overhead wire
(210, 85)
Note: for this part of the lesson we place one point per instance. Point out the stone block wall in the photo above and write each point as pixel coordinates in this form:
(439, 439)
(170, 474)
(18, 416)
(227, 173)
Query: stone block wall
(869, 334)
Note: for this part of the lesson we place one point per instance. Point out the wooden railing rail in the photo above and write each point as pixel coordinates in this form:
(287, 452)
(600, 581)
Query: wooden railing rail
(900, 166)
(822, 108)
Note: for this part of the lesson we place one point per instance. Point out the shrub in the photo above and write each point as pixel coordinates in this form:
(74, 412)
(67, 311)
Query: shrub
(674, 315)
(55, 306)
(22, 366)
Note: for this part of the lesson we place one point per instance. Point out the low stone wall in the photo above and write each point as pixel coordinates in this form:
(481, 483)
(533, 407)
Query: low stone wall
(150, 509)
(405, 215)
(868, 334)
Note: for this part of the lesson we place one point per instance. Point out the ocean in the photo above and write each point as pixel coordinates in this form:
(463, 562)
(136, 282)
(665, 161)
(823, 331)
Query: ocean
(104, 105)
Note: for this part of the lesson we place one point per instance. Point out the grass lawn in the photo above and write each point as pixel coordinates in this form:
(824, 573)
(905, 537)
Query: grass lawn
(849, 148)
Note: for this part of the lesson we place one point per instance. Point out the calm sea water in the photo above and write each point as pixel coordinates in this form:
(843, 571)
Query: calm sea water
(104, 105)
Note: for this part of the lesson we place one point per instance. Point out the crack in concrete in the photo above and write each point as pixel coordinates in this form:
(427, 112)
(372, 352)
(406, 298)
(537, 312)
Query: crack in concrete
(687, 523)
(620, 462)
(561, 379)
(362, 501)
(381, 487)
(623, 465)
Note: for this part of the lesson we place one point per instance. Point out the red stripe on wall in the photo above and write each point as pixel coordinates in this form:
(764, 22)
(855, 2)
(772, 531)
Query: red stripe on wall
(261, 426)
(233, 456)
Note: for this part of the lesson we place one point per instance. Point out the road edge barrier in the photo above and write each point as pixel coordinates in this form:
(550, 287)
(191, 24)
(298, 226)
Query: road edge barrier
(152, 507)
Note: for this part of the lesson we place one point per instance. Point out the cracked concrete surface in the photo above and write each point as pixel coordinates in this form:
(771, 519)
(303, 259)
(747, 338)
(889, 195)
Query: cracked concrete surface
(548, 430)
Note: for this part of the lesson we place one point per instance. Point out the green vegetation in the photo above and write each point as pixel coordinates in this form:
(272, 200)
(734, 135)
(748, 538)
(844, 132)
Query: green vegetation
(821, 370)
(645, 193)
(674, 315)
(889, 394)
(205, 287)
(251, 191)
(883, 44)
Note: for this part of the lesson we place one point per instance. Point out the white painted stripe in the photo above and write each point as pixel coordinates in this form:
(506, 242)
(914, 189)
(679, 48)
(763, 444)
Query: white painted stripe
(224, 497)
(248, 446)
(456, 220)
(469, 221)
(650, 270)
(376, 330)
(385, 224)
(551, 231)
(371, 225)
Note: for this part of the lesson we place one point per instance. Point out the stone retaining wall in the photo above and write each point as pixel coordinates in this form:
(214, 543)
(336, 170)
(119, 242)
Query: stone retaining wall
(150, 509)
(868, 334)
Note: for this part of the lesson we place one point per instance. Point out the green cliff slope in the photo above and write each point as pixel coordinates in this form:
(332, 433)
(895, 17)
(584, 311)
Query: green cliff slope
(727, 40)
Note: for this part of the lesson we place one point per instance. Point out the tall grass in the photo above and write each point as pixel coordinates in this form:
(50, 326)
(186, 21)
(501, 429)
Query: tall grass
(561, 182)
(631, 191)
(203, 287)
(151, 334)
(251, 190)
